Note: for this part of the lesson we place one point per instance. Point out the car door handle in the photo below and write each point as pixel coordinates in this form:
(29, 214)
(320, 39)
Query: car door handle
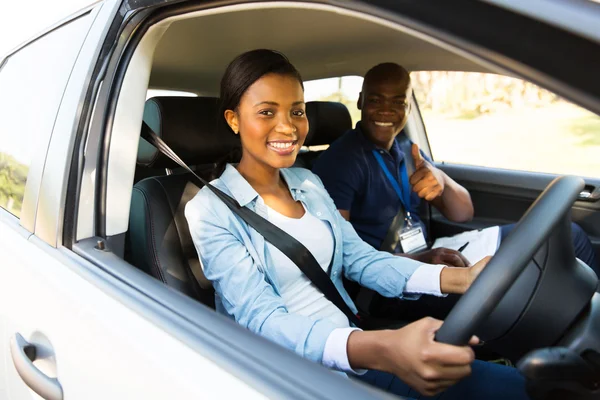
(23, 355)
(589, 193)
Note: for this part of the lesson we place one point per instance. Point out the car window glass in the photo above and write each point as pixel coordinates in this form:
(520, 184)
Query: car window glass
(32, 82)
(343, 89)
(501, 122)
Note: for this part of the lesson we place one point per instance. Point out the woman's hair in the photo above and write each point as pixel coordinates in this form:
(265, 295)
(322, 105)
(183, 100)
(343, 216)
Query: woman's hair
(246, 69)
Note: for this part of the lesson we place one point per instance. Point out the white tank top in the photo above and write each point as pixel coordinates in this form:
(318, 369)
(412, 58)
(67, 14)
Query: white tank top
(299, 294)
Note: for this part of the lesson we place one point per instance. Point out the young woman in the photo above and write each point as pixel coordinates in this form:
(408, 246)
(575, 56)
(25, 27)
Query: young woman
(263, 102)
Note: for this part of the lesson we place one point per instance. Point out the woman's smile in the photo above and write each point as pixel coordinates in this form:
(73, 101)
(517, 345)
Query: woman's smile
(283, 147)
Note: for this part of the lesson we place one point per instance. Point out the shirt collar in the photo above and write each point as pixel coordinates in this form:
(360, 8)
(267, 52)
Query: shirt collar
(244, 193)
(363, 138)
(239, 187)
(294, 183)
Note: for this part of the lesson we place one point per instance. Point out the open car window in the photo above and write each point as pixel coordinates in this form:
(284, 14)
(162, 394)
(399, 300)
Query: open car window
(496, 121)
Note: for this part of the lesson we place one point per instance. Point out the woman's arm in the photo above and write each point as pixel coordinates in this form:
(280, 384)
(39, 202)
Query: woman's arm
(373, 269)
(242, 286)
(388, 274)
(385, 273)
(376, 270)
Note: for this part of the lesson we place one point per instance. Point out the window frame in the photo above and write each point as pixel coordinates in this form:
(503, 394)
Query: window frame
(36, 166)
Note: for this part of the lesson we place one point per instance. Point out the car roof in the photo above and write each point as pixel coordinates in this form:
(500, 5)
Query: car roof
(321, 42)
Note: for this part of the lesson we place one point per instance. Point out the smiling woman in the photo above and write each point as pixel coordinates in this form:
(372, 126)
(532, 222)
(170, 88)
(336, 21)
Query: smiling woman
(265, 106)
(266, 292)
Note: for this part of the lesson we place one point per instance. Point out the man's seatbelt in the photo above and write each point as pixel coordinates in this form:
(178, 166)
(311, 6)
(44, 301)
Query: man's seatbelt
(390, 242)
(365, 297)
(287, 244)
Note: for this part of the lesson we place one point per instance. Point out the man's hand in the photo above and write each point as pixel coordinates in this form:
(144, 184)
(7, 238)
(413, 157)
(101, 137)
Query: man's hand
(427, 181)
(444, 256)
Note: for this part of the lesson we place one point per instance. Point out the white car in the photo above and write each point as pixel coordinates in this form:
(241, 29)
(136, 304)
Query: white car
(101, 291)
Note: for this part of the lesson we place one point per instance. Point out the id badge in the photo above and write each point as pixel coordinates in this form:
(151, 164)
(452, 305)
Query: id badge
(411, 236)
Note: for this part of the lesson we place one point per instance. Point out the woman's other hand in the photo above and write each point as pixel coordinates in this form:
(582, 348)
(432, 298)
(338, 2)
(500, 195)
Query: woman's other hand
(458, 280)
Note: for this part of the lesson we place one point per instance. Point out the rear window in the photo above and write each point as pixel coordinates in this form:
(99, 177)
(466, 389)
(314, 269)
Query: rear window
(343, 89)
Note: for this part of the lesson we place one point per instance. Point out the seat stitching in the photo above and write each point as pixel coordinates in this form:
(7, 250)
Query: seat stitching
(158, 266)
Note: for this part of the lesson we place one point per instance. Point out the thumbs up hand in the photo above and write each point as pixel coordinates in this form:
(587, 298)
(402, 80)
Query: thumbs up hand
(427, 181)
(417, 157)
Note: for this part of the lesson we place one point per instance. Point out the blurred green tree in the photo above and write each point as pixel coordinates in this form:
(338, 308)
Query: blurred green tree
(13, 176)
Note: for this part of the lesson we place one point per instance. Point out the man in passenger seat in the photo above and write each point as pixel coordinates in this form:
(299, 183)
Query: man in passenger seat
(365, 174)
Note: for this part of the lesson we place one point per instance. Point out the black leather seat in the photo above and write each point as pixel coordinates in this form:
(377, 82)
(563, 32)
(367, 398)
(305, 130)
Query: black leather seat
(328, 120)
(159, 241)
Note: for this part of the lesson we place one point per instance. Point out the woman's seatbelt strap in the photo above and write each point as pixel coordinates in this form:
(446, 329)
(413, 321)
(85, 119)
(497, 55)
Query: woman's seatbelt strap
(286, 243)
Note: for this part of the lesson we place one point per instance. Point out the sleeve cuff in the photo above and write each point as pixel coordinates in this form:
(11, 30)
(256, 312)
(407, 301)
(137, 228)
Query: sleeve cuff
(426, 280)
(335, 355)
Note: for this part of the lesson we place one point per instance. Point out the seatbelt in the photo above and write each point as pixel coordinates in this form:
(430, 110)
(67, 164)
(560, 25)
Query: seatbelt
(390, 242)
(287, 244)
(366, 298)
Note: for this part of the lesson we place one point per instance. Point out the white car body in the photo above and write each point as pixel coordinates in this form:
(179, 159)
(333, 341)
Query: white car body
(104, 333)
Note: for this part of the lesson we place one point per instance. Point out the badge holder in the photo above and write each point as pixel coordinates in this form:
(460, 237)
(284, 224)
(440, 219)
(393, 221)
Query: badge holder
(411, 236)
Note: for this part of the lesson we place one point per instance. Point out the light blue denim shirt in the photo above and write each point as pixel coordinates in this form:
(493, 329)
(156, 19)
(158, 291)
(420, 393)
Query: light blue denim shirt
(237, 262)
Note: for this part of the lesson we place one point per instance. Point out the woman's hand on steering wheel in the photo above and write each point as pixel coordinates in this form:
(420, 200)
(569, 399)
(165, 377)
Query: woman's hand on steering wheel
(412, 354)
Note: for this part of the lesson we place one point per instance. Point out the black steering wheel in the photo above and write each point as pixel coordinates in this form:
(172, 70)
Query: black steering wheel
(549, 212)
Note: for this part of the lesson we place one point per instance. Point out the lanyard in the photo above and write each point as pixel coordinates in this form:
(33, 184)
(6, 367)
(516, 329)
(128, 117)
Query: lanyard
(404, 193)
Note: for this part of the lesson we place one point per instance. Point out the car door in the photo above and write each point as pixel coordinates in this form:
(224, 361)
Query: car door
(505, 139)
(32, 81)
(79, 322)
(66, 333)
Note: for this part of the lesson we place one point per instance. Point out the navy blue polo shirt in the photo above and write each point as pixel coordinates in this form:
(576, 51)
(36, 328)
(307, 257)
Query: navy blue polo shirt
(356, 182)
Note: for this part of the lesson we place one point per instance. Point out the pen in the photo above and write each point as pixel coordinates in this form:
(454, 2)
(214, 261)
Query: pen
(464, 246)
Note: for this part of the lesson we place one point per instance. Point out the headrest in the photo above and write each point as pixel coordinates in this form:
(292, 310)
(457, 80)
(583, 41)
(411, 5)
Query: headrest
(191, 127)
(328, 121)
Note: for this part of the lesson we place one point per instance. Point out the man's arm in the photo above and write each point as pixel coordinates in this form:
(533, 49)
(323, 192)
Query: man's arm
(434, 186)
(455, 202)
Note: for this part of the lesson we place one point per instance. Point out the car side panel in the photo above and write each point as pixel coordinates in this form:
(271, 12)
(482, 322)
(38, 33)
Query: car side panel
(502, 196)
(96, 346)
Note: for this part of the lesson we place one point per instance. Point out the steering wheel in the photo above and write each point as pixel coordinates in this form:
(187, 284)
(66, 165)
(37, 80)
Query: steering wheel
(515, 253)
